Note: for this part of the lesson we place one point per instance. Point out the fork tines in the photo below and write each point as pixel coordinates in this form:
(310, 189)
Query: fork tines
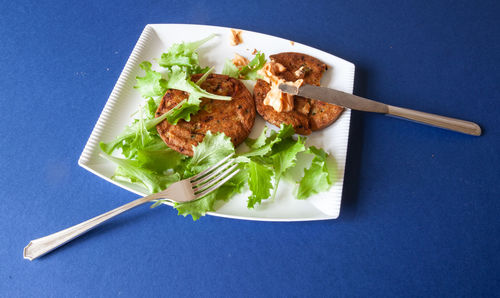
(214, 177)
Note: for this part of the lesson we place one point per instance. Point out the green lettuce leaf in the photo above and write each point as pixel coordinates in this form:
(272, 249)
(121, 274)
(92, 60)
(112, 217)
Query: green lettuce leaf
(214, 148)
(184, 110)
(160, 160)
(132, 171)
(230, 69)
(184, 55)
(263, 145)
(152, 84)
(150, 108)
(142, 139)
(259, 141)
(284, 157)
(259, 182)
(249, 72)
(320, 175)
(134, 135)
(285, 154)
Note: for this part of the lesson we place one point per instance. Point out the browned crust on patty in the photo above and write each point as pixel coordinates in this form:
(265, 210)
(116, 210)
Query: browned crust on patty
(293, 61)
(308, 114)
(235, 118)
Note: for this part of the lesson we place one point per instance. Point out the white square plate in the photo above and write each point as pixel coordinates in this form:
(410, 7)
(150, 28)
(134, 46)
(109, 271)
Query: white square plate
(124, 101)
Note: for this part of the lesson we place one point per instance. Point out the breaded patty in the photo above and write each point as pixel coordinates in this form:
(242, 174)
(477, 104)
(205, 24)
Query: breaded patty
(308, 114)
(234, 118)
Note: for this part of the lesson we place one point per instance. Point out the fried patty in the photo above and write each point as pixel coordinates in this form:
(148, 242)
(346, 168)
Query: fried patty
(234, 118)
(308, 114)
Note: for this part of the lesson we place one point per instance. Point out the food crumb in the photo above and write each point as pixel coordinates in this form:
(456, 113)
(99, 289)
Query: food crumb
(236, 37)
(292, 42)
(254, 51)
(239, 61)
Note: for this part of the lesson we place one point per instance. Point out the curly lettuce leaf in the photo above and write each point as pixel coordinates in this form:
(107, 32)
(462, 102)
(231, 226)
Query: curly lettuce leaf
(132, 171)
(150, 108)
(184, 55)
(320, 175)
(259, 141)
(284, 157)
(263, 145)
(152, 83)
(249, 72)
(184, 110)
(142, 139)
(214, 148)
(285, 154)
(259, 182)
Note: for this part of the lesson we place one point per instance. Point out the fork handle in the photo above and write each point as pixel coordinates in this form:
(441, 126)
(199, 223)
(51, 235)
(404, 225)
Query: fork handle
(41, 246)
(462, 126)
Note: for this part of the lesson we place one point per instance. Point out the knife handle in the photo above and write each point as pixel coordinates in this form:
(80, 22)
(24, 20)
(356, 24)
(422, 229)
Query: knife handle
(458, 125)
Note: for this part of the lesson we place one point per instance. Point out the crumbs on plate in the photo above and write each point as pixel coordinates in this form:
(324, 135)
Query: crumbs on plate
(235, 37)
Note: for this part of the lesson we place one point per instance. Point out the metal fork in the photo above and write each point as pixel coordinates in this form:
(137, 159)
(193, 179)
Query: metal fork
(186, 190)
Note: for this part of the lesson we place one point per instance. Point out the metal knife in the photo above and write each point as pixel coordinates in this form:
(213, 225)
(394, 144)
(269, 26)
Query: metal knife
(367, 105)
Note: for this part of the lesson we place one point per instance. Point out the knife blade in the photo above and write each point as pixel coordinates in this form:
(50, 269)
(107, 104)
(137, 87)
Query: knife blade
(367, 105)
(336, 97)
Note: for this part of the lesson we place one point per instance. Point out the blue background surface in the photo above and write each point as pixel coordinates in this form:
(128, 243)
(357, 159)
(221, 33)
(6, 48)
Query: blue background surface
(420, 211)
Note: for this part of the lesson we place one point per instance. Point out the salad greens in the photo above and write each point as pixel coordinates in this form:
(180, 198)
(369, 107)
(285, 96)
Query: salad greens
(260, 172)
(152, 84)
(319, 176)
(184, 55)
(149, 162)
(259, 182)
(134, 171)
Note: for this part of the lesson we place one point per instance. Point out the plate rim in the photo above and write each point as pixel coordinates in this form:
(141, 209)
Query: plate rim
(131, 62)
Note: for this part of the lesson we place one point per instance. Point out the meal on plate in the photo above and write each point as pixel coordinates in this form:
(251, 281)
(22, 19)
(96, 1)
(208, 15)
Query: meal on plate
(192, 118)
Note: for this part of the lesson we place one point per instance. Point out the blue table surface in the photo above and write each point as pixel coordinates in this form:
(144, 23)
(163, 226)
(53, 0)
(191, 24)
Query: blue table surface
(420, 210)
